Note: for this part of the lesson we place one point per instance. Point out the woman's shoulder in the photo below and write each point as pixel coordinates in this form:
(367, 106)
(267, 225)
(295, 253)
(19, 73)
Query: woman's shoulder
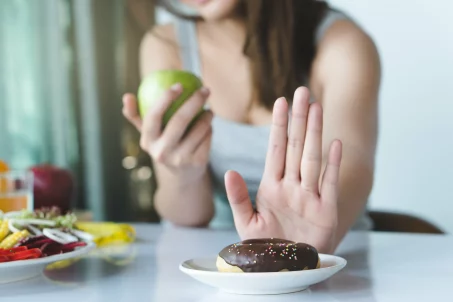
(344, 48)
(337, 28)
(159, 48)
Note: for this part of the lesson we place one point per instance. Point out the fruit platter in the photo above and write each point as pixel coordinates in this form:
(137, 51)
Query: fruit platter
(31, 240)
(46, 233)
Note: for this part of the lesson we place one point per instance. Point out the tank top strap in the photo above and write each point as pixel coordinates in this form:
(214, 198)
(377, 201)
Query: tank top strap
(186, 34)
(331, 17)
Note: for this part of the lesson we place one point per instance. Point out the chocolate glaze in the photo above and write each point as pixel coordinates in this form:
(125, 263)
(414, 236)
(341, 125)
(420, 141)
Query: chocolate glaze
(270, 255)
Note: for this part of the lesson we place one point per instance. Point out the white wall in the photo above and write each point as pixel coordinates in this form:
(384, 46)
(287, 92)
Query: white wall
(415, 155)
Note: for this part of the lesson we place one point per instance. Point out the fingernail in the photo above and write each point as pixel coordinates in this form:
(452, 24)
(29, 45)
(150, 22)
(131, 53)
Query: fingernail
(280, 101)
(176, 87)
(204, 91)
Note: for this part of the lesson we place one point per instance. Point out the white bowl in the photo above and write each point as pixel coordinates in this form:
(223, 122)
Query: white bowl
(205, 271)
(26, 269)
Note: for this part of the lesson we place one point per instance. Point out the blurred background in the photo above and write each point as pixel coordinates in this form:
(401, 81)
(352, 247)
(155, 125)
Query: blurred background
(64, 65)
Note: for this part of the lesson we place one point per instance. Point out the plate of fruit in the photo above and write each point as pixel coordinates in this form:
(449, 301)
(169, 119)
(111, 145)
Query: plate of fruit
(32, 240)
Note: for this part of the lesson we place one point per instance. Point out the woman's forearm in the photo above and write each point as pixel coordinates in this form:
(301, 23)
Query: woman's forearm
(184, 200)
(356, 181)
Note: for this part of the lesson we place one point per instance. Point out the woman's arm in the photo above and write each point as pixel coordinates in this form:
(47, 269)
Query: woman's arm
(346, 80)
(180, 198)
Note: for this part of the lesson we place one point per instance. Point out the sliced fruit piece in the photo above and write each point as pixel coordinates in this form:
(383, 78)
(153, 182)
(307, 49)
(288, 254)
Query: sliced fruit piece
(106, 233)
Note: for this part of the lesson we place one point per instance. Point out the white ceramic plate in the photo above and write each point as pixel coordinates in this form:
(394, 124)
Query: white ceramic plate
(205, 271)
(25, 269)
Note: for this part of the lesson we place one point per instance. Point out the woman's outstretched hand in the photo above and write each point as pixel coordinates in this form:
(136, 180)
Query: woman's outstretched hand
(293, 201)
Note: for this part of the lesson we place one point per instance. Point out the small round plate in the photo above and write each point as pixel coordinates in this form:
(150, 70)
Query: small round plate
(205, 271)
(26, 269)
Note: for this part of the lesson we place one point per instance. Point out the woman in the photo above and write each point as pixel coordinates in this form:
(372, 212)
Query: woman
(284, 151)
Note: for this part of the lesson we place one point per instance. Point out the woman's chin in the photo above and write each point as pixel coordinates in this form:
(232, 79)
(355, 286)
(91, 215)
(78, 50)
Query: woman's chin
(214, 10)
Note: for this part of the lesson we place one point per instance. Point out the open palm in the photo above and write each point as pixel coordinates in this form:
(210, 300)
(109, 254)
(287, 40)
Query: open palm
(292, 203)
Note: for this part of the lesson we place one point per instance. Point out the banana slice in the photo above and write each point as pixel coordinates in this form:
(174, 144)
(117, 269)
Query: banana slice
(105, 233)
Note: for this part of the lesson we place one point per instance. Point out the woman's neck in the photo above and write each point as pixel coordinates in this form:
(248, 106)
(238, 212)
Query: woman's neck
(226, 32)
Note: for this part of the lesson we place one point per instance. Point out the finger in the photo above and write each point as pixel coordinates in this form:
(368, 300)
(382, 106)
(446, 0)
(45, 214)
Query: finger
(152, 122)
(312, 153)
(177, 125)
(239, 199)
(202, 151)
(276, 152)
(197, 134)
(330, 179)
(298, 125)
(130, 111)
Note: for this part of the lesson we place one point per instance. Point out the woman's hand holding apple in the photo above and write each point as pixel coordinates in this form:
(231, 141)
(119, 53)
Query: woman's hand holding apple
(180, 146)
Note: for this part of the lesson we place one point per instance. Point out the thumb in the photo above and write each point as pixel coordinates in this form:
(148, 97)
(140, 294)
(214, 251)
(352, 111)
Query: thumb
(239, 199)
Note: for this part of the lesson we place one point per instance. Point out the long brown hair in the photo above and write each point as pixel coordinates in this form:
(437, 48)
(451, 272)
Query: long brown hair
(280, 43)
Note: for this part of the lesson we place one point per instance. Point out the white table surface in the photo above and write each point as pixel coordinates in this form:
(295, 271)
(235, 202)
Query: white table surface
(381, 267)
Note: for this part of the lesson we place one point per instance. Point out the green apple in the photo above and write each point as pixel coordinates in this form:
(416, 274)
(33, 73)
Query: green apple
(155, 84)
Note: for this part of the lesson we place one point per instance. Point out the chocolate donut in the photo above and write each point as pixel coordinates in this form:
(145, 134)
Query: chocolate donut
(267, 255)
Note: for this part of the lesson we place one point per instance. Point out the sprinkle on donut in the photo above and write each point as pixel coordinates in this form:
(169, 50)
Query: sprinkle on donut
(270, 255)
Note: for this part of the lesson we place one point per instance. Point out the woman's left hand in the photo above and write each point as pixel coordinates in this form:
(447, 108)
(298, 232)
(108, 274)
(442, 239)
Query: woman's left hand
(292, 203)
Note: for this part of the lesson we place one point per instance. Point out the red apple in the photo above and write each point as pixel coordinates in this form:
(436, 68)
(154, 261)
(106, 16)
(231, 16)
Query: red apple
(52, 187)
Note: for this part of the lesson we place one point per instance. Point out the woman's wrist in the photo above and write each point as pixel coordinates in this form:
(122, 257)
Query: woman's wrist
(183, 200)
(326, 245)
(324, 241)
(186, 178)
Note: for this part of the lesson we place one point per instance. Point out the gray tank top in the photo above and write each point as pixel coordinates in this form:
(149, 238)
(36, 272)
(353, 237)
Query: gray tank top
(237, 146)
